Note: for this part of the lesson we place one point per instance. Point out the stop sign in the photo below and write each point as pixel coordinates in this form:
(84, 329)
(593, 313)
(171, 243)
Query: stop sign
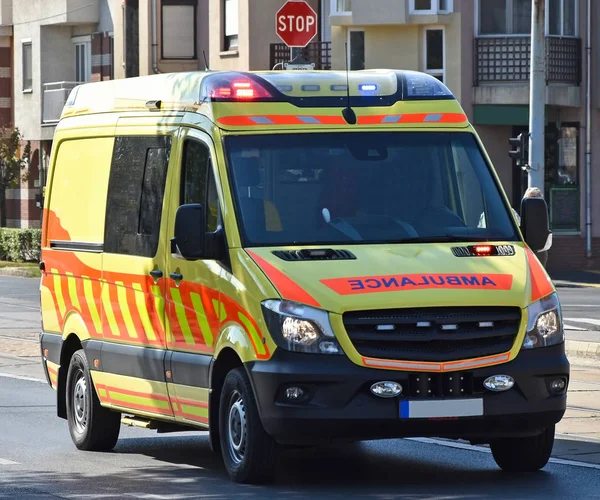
(296, 23)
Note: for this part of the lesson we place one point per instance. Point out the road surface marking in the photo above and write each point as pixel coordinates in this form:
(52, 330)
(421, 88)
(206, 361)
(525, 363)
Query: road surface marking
(3, 461)
(480, 449)
(574, 328)
(19, 377)
(591, 321)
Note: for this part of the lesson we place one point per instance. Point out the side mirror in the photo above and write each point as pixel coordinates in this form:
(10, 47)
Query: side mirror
(535, 222)
(190, 234)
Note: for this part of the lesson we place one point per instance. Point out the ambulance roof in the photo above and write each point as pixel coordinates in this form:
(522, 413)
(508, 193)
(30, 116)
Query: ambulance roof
(324, 92)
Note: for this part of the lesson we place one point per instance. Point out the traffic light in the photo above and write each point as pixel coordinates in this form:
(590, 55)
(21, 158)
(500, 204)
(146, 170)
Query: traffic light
(520, 145)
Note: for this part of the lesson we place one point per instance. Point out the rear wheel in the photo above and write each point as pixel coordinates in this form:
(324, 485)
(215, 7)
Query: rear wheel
(526, 454)
(248, 451)
(92, 427)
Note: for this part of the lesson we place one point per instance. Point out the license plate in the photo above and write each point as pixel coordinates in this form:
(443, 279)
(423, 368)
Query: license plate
(441, 409)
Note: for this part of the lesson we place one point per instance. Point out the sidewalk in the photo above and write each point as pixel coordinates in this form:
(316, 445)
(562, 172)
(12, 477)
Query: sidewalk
(575, 279)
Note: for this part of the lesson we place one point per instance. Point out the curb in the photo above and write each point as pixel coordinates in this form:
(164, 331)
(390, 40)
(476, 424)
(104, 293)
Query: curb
(580, 349)
(573, 284)
(20, 272)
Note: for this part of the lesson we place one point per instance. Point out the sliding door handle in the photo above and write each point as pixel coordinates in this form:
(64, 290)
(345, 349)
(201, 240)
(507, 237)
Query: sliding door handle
(156, 274)
(176, 276)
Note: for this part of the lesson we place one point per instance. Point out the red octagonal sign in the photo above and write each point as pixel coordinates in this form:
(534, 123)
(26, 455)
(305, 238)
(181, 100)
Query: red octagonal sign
(296, 23)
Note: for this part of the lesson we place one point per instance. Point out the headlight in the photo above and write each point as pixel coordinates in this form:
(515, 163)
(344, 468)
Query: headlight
(300, 328)
(544, 327)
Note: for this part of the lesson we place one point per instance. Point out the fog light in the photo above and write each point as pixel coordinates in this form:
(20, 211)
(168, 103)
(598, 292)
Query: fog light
(386, 389)
(499, 383)
(294, 393)
(558, 385)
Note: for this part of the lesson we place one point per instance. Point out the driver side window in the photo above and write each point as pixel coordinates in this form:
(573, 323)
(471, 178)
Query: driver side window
(197, 181)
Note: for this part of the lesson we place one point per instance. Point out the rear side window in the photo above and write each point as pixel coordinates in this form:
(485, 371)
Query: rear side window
(135, 195)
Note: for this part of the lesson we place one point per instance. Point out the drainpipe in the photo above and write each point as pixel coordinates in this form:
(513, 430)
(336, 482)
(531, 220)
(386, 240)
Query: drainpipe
(588, 139)
(153, 26)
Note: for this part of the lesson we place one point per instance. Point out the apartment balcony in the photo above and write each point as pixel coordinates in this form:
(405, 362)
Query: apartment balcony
(318, 53)
(54, 98)
(64, 12)
(502, 66)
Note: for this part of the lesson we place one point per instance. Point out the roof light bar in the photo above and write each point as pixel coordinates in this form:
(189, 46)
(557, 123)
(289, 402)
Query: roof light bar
(368, 87)
(233, 86)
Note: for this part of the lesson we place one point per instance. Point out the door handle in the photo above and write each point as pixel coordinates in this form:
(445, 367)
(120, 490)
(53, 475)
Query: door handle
(176, 276)
(156, 274)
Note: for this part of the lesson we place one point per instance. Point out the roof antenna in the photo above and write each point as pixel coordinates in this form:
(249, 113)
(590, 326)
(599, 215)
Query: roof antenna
(205, 61)
(348, 113)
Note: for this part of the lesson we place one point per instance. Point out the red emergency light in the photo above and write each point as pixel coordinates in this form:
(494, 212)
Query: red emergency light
(232, 87)
(483, 250)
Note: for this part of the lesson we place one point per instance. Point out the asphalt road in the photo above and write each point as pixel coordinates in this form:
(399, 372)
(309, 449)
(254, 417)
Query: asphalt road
(581, 307)
(38, 460)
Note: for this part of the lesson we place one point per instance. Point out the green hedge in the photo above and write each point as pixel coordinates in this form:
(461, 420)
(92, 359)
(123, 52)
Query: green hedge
(20, 245)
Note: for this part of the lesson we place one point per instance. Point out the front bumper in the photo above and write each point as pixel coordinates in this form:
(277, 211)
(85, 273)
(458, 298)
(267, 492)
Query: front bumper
(341, 406)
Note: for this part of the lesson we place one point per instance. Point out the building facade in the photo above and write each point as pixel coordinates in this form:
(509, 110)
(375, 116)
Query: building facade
(481, 50)
(56, 44)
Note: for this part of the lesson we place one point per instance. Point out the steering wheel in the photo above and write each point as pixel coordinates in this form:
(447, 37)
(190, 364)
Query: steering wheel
(431, 218)
(347, 225)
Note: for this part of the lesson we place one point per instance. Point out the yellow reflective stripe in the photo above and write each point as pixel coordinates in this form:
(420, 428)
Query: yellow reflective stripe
(91, 302)
(102, 393)
(122, 297)
(140, 301)
(159, 305)
(72, 285)
(108, 311)
(255, 336)
(175, 407)
(169, 332)
(219, 310)
(58, 292)
(117, 397)
(202, 321)
(181, 317)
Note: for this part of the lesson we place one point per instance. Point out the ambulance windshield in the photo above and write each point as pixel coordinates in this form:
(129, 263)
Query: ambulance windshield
(365, 187)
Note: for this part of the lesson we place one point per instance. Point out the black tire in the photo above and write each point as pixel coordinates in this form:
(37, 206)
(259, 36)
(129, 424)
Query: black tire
(525, 454)
(248, 451)
(92, 427)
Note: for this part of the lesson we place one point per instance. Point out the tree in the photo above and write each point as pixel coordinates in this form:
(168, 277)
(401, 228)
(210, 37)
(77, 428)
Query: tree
(13, 163)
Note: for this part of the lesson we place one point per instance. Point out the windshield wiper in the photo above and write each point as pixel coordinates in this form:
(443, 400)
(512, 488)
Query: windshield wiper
(448, 238)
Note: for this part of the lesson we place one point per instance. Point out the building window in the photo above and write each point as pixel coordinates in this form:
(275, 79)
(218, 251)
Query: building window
(83, 58)
(27, 67)
(356, 49)
(231, 23)
(178, 28)
(341, 7)
(562, 17)
(435, 52)
(430, 6)
(504, 17)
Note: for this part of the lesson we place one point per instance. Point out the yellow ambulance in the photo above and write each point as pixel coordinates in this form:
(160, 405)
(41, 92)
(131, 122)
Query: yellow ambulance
(293, 258)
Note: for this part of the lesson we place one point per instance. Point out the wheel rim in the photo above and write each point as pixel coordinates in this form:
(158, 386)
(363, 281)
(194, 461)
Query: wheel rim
(237, 428)
(80, 402)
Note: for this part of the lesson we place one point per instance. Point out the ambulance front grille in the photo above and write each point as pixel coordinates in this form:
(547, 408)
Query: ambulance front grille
(436, 334)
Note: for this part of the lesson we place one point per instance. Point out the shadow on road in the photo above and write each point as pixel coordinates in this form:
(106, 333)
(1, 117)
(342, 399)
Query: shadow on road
(185, 467)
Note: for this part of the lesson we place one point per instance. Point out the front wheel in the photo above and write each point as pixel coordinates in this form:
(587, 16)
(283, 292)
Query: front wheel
(526, 454)
(92, 427)
(248, 451)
